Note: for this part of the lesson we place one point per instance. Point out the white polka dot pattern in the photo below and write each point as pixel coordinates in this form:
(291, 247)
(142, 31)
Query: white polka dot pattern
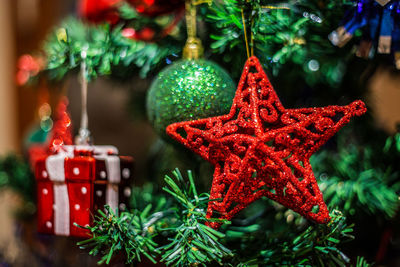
(126, 173)
(84, 190)
(75, 171)
(127, 192)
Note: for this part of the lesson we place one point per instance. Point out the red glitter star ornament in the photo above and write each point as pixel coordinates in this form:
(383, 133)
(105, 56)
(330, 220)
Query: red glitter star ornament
(262, 149)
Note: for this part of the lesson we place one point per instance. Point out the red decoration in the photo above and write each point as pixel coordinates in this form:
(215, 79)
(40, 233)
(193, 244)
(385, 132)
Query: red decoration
(60, 135)
(129, 33)
(155, 8)
(61, 132)
(73, 183)
(145, 34)
(148, 34)
(28, 66)
(98, 11)
(262, 149)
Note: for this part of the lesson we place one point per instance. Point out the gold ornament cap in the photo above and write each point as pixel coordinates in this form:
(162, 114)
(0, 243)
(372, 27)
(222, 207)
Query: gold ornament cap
(193, 49)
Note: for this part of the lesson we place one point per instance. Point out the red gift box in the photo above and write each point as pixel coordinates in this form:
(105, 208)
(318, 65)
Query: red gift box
(73, 183)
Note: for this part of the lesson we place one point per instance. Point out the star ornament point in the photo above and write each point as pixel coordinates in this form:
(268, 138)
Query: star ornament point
(263, 149)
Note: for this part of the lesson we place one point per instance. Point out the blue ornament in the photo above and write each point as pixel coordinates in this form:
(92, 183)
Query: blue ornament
(379, 21)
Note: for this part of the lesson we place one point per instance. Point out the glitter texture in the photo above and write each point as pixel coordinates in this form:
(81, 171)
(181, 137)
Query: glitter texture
(262, 149)
(188, 90)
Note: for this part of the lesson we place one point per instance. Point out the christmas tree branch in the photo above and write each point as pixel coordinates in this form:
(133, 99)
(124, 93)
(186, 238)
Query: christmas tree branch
(354, 180)
(175, 233)
(15, 173)
(189, 241)
(293, 32)
(108, 51)
(192, 243)
(124, 232)
(292, 245)
(293, 35)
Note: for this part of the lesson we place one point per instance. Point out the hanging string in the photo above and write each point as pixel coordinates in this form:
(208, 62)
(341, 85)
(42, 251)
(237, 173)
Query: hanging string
(83, 137)
(245, 34)
(251, 52)
(191, 16)
(276, 7)
(84, 85)
(252, 38)
(190, 19)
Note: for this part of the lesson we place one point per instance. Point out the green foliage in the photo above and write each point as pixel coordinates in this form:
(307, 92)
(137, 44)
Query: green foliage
(361, 262)
(392, 144)
(291, 33)
(193, 242)
(353, 180)
(291, 41)
(280, 237)
(108, 52)
(315, 246)
(127, 232)
(131, 18)
(189, 241)
(175, 233)
(147, 194)
(16, 174)
(130, 232)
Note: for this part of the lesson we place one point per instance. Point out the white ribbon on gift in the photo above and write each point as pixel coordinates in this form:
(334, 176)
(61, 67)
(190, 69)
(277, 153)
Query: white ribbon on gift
(113, 167)
(56, 171)
(55, 166)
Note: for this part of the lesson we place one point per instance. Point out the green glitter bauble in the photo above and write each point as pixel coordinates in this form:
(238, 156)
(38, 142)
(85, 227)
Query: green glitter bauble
(189, 90)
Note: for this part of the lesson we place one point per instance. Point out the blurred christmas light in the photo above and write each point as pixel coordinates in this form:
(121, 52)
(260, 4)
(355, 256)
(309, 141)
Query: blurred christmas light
(313, 65)
(313, 17)
(44, 110)
(46, 124)
(28, 66)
